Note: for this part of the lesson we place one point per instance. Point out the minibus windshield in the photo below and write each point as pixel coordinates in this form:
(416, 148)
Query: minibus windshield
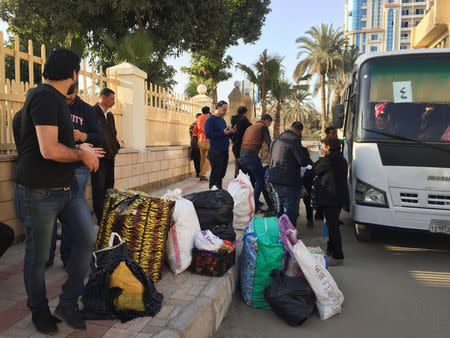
(406, 98)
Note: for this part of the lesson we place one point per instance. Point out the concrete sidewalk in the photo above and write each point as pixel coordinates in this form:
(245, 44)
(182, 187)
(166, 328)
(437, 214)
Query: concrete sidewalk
(194, 306)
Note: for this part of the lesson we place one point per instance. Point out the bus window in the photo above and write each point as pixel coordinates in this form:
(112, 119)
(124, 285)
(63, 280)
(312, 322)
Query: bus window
(406, 98)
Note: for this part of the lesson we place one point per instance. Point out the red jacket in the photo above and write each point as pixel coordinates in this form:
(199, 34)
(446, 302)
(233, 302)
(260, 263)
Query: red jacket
(199, 129)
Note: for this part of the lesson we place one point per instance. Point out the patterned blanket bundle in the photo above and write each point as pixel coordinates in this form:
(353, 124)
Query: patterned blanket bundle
(143, 221)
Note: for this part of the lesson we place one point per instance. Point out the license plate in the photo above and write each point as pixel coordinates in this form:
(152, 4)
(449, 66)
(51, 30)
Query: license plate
(440, 226)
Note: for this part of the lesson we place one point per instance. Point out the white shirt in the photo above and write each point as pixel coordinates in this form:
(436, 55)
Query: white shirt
(105, 111)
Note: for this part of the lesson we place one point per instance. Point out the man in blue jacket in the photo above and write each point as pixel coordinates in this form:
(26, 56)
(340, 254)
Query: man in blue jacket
(219, 138)
(287, 157)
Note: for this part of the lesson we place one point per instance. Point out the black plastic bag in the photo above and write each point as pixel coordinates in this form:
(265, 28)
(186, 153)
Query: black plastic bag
(213, 208)
(225, 232)
(292, 299)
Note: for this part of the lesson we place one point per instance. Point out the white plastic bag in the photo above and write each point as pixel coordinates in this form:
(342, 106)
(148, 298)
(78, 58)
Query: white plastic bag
(207, 241)
(244, 202)
(180, 241)
(329, 298)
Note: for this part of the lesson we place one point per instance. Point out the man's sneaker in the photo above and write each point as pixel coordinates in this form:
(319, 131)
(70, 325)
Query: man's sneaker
(71, 315)
(203, 179)
(44, 321)
(335, 262)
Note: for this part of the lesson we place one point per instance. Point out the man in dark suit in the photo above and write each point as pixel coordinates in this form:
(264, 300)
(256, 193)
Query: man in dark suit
(103, 179)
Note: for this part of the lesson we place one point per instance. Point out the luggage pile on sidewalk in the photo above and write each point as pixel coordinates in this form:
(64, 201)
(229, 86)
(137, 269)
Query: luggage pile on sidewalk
(214, 251)
(279, 272)
(138, 230)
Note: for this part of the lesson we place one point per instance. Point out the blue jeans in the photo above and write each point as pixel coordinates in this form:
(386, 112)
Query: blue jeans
(288, 201)
(254, 166)
(38, 210)
(82, 177)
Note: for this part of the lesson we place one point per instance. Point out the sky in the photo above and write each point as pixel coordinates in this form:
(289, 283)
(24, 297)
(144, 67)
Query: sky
(288, 20)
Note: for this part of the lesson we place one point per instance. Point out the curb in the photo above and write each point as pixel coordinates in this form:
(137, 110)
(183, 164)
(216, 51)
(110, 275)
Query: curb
(203, 316)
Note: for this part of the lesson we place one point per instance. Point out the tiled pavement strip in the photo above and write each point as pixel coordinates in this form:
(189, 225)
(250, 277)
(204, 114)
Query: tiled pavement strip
(187, 297)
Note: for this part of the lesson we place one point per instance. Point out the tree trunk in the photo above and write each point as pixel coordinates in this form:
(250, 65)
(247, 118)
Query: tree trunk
(277, 121)
(328, 99)
(214, 93)
(336, 99)
(322, 99)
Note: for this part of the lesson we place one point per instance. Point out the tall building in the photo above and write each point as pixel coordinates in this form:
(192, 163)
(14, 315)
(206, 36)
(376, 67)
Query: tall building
(382, 25)
(434, 29)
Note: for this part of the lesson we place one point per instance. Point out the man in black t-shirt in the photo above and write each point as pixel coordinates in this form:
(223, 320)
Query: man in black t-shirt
(86, 128)
(47, 159)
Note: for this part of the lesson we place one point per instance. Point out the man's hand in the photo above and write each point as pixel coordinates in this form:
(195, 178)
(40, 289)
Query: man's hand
(99, 152)
(79, 136)
(228, 131)
(89, 158)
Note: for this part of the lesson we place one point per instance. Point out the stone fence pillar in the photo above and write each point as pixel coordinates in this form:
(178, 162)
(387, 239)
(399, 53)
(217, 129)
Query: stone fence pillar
(131, 95)
(236, 99)
(202, 99)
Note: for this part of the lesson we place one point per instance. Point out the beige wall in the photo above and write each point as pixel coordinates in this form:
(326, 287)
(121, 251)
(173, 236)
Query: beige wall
(143, 171)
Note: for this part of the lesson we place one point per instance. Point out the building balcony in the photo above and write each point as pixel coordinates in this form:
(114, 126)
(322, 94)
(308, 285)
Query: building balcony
(433, 25)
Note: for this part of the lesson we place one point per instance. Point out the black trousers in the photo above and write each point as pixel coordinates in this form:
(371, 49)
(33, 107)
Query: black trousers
(6, 237)
(219, 164)
(195, 156)
(237, 153)
(334, 233)
(101, 181)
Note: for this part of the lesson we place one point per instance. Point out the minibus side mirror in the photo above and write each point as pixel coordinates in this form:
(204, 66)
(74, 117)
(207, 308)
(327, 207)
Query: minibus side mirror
(338, 115)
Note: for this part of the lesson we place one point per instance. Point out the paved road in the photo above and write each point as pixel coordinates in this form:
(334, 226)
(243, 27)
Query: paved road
(398, 285)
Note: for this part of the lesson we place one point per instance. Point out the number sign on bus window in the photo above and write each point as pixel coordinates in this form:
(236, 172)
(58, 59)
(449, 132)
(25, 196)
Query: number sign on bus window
(402, 92)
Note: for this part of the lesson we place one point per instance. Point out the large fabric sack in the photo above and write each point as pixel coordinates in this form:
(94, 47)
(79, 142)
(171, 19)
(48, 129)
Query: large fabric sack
(269, 187)
(244, 202)
(262, 252)
(248, 263)
(180, 241)
(143, 221)
(292, 299)
(213, 207)
(329, 298)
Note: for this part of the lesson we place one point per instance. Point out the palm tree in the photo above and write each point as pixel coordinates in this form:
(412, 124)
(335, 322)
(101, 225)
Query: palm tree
(264, 73)
(322, 45)
(339, 77)
(191, 87)
(280, 92)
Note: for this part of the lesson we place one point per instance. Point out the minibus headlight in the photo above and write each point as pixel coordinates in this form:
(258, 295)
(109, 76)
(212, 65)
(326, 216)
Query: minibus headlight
(366, 194)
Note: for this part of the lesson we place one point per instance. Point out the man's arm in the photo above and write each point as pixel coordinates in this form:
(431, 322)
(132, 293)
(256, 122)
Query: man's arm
(300, 155)
(266, 136)
(51, 149)
(94, 129)
(211, 131)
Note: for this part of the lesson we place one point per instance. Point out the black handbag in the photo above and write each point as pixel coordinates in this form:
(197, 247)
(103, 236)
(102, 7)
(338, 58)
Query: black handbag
(112, 251)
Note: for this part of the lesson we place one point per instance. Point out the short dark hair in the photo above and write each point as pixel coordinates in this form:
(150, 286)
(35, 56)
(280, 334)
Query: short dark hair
(266, 117)
(297, 125)
(60, 65)
(333, 143)
(242, 110)
(197, 115)
(323, 140)
(206, 110)
(329, 129)
(221, 103)
(106, 92)
(72, 88)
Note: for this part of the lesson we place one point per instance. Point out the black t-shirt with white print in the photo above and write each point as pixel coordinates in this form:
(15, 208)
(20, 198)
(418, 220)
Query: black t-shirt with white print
(44, 106)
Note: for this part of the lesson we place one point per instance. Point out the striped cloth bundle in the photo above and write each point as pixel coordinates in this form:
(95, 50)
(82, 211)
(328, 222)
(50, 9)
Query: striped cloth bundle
(143, 221)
